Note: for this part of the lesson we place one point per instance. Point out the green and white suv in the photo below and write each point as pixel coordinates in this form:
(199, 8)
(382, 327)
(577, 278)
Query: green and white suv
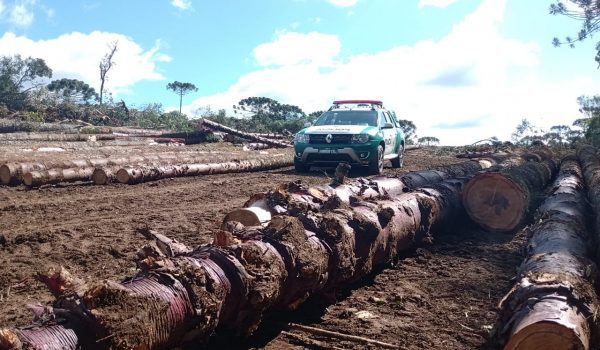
(359, 132)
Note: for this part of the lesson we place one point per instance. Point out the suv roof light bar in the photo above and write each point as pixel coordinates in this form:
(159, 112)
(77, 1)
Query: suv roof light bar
(371, 102)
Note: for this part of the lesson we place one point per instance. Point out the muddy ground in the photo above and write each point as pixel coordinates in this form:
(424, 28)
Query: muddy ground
(440, 295)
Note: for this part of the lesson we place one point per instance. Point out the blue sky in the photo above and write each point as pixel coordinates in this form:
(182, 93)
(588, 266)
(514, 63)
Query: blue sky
(462, 70)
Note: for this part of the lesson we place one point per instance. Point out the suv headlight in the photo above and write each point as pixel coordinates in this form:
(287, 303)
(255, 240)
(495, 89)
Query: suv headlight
(360, 138)
(302, 138)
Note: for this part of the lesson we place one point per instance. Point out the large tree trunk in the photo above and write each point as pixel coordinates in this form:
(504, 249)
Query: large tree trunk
(245, 135)
(181, 297)
(259, 209)
(35, 136)
(500, 201)
(554, 305)
(139, 174)
(54, 176)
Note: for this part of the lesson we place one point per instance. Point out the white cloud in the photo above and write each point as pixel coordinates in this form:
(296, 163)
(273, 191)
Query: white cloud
(291, 48)
(471, 84)
(182, 4)
(21, 15)
(343, 3)
(2, 7)
(76, 55)
(436, 3)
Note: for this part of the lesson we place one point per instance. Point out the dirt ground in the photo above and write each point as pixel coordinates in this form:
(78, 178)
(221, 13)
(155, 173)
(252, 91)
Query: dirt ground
(441, 295)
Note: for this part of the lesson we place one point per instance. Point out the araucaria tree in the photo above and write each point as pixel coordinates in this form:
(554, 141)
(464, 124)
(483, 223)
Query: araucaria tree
(105, 65)
(181, 89)
(586, 11)
(72, 90)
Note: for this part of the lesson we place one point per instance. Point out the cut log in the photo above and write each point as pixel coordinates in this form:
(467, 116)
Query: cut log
(259, 208)
(245, 135)
(183, 298)
(55, 176)
(139, 174)
(256, 146)
(56, 137)
(169, 140)
(591, 172)
(11, 173)
(554, 304)
(500, 201)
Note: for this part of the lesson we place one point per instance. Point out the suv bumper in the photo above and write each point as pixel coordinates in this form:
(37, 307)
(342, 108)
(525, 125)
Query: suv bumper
(324, 156)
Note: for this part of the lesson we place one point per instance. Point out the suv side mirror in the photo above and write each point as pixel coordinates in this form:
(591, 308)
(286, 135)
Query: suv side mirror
(307, 124)
(388, 126)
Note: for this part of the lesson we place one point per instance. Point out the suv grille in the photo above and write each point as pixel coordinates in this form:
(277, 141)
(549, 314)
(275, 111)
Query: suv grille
(336, 139)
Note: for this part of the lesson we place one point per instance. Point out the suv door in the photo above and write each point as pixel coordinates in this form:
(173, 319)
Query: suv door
(389, 135)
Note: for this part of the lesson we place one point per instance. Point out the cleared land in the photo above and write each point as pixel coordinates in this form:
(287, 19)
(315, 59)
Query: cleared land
(441, 295)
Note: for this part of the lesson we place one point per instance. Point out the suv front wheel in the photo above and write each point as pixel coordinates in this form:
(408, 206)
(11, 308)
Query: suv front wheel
(398, 162)
(300, 167)
(376, 162)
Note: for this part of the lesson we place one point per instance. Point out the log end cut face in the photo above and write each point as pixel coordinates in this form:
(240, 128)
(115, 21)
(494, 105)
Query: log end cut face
(546, 336)
(5, 174)
(495, 202)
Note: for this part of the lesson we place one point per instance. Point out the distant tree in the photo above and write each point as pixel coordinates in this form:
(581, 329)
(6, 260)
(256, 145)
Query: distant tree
(181, 89)
(586, 11)
(409, 129)
(18, 77)
(590, 123)
(561, 132)
(428, 140)
(106, 63)
(574, 137)
(72, 90)
(521, 130)
(267, 115)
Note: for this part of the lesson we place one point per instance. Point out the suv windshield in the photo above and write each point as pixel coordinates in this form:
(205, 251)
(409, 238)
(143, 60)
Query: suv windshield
(367, 118)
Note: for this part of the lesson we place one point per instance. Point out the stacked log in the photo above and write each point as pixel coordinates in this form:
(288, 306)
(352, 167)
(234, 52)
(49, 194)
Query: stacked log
(181, 296)
(554, 305)
(591, 172)
(502, 200)
(245, 135)
(34, 136)
(14, 173)
(259, 209)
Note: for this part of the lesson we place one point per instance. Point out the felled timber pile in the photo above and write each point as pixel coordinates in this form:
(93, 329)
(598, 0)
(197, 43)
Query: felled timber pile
(591, 172)
(182, 295)
(136, 169)
(245, 135)
(36, 136)
(259, 208)
(502, 200)
(554, 305)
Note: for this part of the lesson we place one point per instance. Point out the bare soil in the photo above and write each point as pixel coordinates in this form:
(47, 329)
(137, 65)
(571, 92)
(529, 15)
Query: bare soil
(441, 295)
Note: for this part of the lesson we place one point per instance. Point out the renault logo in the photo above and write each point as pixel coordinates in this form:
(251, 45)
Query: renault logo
(328, 138)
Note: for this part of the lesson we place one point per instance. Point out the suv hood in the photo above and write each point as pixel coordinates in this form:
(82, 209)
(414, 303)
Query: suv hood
(341, 129)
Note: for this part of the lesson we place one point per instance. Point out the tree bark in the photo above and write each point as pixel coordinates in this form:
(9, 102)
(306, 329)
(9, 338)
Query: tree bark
(554, 305)
(259, 209)
(245, 135)
(139, 174)
(247, 273)
(500, 201)
(54, 176)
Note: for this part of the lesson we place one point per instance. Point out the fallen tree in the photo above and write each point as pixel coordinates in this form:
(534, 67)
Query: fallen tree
(245, 135)
(501, 200)
(180, 296)
(554, 305)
